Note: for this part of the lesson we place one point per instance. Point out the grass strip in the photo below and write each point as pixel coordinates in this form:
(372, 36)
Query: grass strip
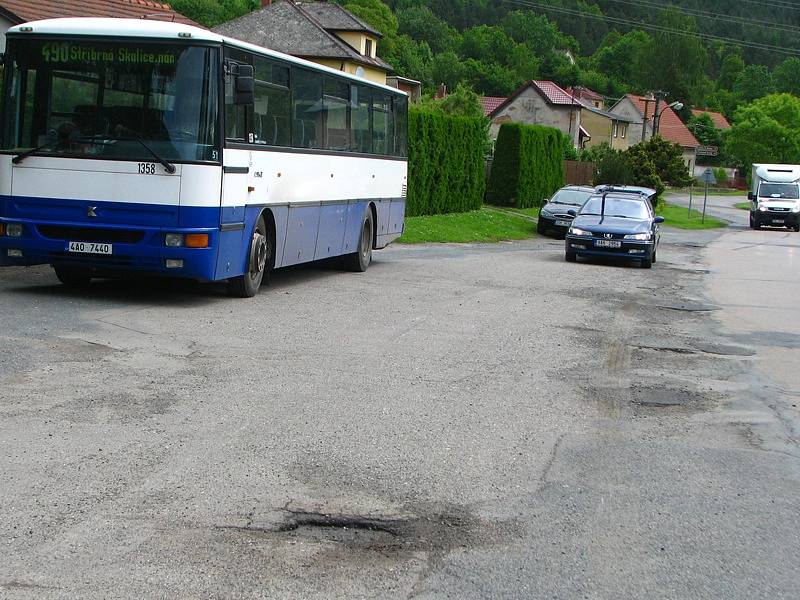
(484, 225)
(700, 191)
(680, 218)
(742, 206)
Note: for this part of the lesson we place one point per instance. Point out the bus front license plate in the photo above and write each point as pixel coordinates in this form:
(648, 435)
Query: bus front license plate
(778, 221)
(89, 248)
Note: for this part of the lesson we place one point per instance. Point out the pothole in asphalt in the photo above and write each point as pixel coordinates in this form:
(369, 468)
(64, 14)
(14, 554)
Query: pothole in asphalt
(660, 397)
(689, 346)
(434, 532)
(686, 306)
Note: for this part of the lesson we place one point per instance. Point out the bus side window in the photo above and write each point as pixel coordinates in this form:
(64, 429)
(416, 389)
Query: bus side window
(336, 107)
(382, 129)
(361, 132)
(272, 110)
(307, 109)
(401, 126)
(235, 115)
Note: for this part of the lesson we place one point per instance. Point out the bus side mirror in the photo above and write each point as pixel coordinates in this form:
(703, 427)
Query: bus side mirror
(245, 86)
(751, 196)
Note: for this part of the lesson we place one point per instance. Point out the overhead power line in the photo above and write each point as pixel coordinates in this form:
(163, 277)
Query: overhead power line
(773, 4)
(703, 14)
(657, 28)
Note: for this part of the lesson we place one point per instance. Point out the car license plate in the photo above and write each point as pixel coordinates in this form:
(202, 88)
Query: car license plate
(608, 243)
(89, 248)
(778, 221)
(563, 223)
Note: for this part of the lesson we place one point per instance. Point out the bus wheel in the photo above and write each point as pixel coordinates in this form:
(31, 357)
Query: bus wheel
(73, 276)
(359, 261)
(259, 256)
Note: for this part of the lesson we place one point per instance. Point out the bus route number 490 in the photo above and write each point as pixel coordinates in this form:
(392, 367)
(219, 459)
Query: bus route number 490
(89, 248)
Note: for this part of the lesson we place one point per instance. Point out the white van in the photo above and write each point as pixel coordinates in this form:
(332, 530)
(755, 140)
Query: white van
(775, 196)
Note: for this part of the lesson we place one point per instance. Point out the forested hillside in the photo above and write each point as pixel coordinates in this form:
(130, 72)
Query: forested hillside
(710, 53)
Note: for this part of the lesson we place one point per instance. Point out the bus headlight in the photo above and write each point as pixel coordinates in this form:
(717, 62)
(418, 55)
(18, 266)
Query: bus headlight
(796, 208)
(174, 240)
(762, 208)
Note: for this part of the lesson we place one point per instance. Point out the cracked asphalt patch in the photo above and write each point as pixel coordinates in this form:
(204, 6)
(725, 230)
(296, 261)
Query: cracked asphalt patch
(462, 421)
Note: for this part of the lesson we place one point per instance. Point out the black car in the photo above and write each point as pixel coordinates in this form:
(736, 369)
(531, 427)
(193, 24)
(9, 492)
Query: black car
(554, 216)
(616, 225)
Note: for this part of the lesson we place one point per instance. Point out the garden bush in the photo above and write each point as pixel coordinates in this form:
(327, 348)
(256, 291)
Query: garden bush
(446, 163)
(528, 165)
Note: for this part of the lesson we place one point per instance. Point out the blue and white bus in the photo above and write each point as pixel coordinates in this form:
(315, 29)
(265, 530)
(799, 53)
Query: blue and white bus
(140, 145)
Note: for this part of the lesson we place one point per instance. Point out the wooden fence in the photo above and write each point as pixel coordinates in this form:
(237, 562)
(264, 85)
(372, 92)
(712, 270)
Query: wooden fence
(578, 173)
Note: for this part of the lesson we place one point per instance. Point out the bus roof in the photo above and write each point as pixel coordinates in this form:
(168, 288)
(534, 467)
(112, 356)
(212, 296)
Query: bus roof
(164, 30)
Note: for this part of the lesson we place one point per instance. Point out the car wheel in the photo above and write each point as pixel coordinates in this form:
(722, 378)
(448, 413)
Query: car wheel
(540, 228)
(647, 263)
(654, 256)
(259, 257)
(360, 261)
(570, 256)
(74, 277)
(797, 227)
(752, 222)
(756, 223)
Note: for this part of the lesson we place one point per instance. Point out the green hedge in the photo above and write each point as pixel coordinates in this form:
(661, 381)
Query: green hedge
(528, 165)
(446, 165)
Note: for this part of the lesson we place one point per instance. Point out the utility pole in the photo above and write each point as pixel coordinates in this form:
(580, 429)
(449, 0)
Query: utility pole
(647, 101)
(656, 115)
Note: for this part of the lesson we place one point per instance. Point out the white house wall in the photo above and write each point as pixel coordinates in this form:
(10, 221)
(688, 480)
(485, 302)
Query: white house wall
(531, 109)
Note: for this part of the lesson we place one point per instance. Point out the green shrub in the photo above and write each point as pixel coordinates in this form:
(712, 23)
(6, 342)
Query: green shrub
(721, 176)
(446, 163)
(528, 165)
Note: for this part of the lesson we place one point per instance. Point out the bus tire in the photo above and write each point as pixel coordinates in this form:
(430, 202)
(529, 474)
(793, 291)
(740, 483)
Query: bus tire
(359, 261)
(74, 277)
(259, 258)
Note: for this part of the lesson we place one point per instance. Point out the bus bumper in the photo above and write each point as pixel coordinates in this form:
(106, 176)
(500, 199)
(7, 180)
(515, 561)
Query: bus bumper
(139, 249)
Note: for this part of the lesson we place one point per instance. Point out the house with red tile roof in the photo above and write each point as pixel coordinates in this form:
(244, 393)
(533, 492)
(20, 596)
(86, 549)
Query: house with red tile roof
(719, 120)
(546, 103)
(14, 12)
(587, 96)
(640, 111)
(540, 103)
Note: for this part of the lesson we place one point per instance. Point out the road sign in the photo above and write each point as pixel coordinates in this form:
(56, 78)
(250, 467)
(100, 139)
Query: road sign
(708, 151)
(708, 177)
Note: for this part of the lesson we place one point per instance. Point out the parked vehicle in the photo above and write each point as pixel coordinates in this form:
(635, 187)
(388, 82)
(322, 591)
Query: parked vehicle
(617, 225)
(553, 216)
(144, 146)
(775, 196)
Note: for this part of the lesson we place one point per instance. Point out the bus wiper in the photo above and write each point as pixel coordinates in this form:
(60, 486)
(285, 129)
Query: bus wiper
(133, 136)
(23, 155)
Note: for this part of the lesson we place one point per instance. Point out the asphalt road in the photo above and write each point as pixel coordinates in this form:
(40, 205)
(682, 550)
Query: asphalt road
(458, 422)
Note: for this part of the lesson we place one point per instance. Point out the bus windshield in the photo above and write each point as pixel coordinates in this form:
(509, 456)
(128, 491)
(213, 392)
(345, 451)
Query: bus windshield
(114, 100)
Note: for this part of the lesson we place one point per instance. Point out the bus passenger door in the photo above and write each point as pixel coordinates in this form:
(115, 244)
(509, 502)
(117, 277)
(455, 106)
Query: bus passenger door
(235, 181)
